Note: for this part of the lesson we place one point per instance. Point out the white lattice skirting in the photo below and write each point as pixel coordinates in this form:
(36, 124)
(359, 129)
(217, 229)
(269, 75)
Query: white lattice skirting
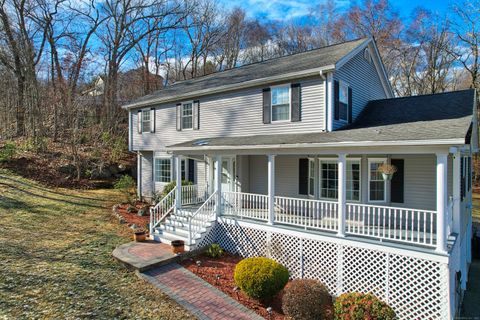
(416, 288)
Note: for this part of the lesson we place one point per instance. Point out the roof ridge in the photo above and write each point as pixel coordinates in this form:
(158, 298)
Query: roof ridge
(422, 95)
(268, 60)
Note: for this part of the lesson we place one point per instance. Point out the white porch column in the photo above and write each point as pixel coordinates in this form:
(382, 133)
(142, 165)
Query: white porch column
(456, 192)
(178, 179)
(442, 171)
(218, 185)
(271, 188)
(342, 193)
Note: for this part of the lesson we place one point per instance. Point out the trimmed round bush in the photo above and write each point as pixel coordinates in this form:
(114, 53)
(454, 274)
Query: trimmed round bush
(260, 278)
(307, 299)
(360, 306)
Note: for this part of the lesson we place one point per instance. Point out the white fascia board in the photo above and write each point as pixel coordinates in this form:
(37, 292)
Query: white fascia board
(229, 87)
(336, 145)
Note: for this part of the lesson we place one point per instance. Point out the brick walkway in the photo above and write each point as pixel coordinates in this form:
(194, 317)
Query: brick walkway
(196, 295)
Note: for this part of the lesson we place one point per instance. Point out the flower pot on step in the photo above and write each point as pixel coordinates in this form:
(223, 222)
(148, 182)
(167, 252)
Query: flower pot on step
(178, 246)
(139, 236)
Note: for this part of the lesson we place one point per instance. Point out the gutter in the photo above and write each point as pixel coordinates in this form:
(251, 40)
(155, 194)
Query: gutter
(247, 84)
(324, 145)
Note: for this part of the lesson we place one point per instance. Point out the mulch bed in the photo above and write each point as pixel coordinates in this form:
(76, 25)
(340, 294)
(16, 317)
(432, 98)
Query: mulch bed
(224, 267)
(133, 217)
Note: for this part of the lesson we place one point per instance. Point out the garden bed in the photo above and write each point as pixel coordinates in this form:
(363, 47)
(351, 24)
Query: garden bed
(224, 267)
(131, 218)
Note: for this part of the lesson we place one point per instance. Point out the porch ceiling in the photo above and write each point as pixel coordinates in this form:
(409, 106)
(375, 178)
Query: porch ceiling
(441, 119)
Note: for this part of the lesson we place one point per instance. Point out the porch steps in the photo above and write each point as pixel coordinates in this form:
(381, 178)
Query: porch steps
(175, 227)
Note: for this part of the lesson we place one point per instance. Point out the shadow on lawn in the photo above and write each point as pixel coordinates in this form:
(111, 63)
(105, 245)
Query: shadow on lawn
(33, 186)
(53, 198)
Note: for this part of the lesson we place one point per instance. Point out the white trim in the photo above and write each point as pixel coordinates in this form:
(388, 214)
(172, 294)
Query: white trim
(236, 86)
(386, 143)
(289, 86)
(376, 160)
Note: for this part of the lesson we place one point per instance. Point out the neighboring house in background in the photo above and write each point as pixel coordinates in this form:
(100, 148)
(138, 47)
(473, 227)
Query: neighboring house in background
(285, 158)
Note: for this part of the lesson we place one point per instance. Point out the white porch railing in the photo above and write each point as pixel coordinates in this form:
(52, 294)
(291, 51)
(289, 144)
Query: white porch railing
(399, 224)
(245, 205)
(204, 215)
(162, 209)
(193, 194)
(307, 213)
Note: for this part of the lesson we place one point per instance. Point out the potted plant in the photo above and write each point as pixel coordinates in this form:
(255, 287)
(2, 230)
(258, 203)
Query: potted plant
(139, 234)
(387, 171)
(178, 246)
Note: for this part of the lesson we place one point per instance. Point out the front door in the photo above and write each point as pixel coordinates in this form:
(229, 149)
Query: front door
(228, 174)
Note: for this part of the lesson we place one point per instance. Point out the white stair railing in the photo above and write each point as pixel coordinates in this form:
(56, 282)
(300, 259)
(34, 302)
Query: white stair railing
(202, 217)
(193, 194)
(162, 209)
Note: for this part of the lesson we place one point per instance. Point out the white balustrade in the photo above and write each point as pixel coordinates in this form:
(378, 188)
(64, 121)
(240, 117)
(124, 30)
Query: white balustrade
(245, 205)
(193, 194)
(203, 216)
(162, 209)
(398, 224)
(307, 213)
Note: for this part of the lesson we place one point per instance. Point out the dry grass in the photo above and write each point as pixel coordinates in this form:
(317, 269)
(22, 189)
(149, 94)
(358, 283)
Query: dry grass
(476, 207)
(55, 257)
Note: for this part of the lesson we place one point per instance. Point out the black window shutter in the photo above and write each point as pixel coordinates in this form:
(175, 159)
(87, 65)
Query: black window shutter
(152, 120)
(179, 116)
(397, 185)
(462, 179)
(336, 99)
(191, 170)
(139, 121)
(469, 176)
(303, 176)
(350, 107)
(296, 102)
(196, 115)
(267, 105)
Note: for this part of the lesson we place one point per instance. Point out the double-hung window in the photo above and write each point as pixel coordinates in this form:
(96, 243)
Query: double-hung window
(343, 101)
(329, 180)
(376, 183)
(187, 115)
(281, 103)
(311, 177)
(146, 120)
(163, 169)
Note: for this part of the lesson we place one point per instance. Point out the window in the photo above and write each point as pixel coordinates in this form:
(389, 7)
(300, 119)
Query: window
(281, 103)
(146, 121)
(367, 55)
(163, 169)
(343, 101)
(311, 177)
(329, 180)
(187, 116)
(376, 184)
(184, 170)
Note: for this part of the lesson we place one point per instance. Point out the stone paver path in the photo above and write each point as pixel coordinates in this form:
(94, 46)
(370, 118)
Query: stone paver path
(196, 295)
(144, 255)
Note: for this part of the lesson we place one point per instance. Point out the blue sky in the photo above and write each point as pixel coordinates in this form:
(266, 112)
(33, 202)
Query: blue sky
(296, 9)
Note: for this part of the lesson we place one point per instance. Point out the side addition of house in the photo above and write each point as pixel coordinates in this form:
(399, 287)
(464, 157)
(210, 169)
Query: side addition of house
(288, 158)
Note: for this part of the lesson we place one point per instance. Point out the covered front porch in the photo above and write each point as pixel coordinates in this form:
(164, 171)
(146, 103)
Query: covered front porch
(340, 194)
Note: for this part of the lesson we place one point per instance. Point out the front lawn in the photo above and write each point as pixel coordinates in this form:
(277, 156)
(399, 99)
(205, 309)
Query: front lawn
(476, 207)
(55, 257)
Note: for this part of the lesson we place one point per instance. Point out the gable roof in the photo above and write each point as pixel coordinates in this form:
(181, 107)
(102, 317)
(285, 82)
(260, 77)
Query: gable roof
(294, 65)
(428, 119)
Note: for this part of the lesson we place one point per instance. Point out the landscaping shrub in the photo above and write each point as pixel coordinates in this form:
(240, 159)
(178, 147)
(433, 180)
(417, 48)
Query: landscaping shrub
(260, 278)
(7, 152)
(169, 187)
(214, 251)
(126, 185)
(307, 299)
(360, 306)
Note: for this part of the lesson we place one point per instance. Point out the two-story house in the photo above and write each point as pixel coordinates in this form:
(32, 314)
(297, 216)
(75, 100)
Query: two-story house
(287, 159)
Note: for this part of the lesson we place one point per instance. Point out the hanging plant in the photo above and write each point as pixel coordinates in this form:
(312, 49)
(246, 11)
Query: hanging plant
(387, 171)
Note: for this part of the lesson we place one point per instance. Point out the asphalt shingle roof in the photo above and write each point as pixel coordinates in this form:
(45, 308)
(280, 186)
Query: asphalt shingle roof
(427, 117)
(312, 59)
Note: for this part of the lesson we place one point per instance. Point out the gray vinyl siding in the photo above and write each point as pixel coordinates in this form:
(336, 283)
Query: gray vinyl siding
(365, 82)
(146, 173)
(420, 179)
(236, 113)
